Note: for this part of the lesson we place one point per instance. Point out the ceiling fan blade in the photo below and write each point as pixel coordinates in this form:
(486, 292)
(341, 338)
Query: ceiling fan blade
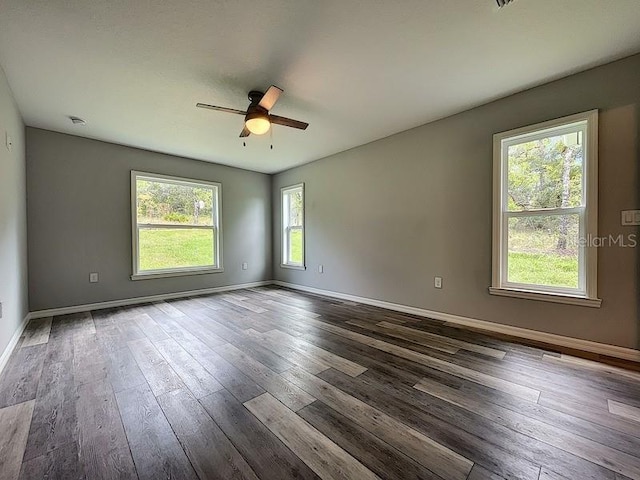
(221, 109)
(288, 122)
(270, 97)
(245, 132)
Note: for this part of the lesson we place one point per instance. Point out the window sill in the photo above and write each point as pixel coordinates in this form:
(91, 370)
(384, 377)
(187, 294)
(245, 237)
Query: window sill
(181, 273)
(546, 297)
(293, 267)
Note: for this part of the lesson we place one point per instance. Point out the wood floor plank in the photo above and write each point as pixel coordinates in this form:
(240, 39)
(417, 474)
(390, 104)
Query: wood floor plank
(37, 332)
(448, 367)
(323, 456)
(169, 309)
(14, 425)
(582, 447)
(241, 386)
(317, 353)
(130, 330)
(481, 473)
(237, 338)
(267, 321)
(369, 357)
(109, 336)
(266, 454)
(418, 340)
(211, 453)
(59, 348)
(598, 416)
(61, 463)
(160, 376)
(546, 474)
(436, 457)
(207, 301)
(623, 410)
(200, 382)
(151, 329)
(289, 394)
(592, 366)
(377, 455)
(20, 377)
(74, 323)
(54, 418)
(243, 303)
(281, 306)
(155, 448)
(122, 369)
(235, 295)
(472, 436)
(292, 355)
(201, 329)
(89, 359)
(181, 333)
(413, 334)
(488, 397)
(103, 447)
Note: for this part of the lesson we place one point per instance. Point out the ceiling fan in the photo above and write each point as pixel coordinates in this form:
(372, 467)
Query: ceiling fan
(257, 119)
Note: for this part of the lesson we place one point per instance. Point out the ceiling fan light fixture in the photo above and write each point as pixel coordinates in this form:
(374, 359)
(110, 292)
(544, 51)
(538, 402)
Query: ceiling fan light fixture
(257, 123)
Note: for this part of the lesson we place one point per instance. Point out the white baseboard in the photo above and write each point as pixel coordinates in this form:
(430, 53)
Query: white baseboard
(136, 300)
(549, 338)
(4, 358)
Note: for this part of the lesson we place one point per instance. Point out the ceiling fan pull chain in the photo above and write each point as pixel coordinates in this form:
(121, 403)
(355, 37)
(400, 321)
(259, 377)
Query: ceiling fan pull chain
(271, 133)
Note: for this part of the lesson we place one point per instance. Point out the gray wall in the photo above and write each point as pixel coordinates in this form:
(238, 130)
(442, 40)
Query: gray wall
(79, 220)
(13, 218)
(386, 217)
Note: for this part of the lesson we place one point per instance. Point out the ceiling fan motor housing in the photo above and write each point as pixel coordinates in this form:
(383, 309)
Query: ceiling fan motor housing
(255, 110)
(255, 97)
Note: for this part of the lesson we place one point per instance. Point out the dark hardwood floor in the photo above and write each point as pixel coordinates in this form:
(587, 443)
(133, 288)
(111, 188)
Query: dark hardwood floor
(267, 383)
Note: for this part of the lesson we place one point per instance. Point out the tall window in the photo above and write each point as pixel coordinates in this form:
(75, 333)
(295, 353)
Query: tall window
(545, 211)
(176, 226)
(293, 226)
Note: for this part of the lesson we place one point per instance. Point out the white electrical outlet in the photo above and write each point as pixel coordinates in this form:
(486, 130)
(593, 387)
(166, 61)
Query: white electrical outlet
(93, 277)
(320, 268)
(245, 265)
(437, 282)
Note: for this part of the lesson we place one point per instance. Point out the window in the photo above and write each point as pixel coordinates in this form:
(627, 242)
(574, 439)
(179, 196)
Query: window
(293, 226)
(545, 211)
(176, 226)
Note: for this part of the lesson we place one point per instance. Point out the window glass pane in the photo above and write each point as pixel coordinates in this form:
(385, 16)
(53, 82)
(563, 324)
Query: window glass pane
(295, 208)
(174, 204)
(543, 250)
(546, 173)
(163, 248)
(295, 246)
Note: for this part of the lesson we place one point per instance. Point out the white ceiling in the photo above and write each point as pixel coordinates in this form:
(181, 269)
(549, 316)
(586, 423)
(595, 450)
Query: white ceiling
(356, 70)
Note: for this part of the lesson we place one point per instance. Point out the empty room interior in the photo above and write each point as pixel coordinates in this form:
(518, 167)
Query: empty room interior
(320, 240)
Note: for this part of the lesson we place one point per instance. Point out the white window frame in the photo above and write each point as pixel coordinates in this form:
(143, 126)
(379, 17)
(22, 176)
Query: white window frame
(135, 227)
(286, 228)
(586, 293)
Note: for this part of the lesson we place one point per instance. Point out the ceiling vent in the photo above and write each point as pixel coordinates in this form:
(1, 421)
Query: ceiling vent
(502, 3)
